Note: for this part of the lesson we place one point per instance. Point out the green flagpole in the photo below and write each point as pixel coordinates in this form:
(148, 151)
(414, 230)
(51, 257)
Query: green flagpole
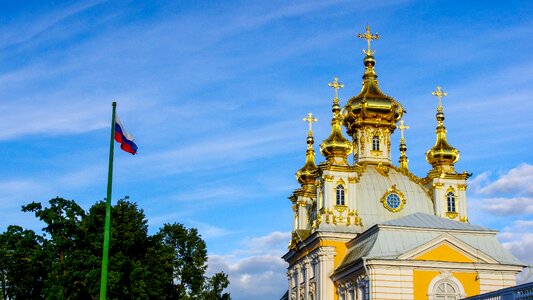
(105, 255)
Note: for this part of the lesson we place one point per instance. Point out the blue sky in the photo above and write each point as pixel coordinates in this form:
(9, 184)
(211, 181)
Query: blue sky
(215, 93)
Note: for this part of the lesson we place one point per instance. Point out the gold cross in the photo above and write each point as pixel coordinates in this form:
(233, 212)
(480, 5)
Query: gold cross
(310, 119)
(439, 94)
(336, 86)
(368, 37)
(402, 127)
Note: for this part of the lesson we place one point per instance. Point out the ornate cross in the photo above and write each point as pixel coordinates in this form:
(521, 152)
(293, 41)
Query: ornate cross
(310, 119)
(402, 128)
(336, 86)
(439, 94)
(368, 36)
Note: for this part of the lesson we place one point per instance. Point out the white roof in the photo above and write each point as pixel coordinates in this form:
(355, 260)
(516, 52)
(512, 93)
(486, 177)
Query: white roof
(394, 238)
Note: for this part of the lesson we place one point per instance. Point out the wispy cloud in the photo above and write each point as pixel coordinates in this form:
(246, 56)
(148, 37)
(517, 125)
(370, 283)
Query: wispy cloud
(517, 181)
(518, 239)
(508, 206)
(20, 30)
(256, 271)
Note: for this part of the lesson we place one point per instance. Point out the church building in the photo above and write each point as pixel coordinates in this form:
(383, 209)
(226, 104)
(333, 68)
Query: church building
(367, 228)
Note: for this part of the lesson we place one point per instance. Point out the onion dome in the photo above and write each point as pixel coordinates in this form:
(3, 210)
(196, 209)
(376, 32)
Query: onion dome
(371, 106)
(308, 174)
(442, 155)
(336, 148)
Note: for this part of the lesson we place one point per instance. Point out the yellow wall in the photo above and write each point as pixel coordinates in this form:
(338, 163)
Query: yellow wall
(444, 253)
(422, 278)
(340, 248)
(469, 282)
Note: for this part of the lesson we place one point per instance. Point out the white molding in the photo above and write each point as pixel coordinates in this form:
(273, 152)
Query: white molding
(438, 265)
(443, 277)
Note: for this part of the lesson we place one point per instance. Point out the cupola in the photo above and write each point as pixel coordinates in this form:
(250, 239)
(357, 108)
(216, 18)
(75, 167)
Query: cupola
(442, 156)
(336, 148)
(308, 174)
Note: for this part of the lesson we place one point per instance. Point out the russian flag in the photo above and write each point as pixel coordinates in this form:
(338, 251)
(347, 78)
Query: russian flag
(125, 139)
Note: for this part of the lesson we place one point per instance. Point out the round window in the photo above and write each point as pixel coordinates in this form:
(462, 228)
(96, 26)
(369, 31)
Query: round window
(393, 201)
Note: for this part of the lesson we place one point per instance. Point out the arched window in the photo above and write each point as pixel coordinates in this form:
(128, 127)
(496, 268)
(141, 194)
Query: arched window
(375, 143)
(451, 201)
(446, 290)
(340, 194)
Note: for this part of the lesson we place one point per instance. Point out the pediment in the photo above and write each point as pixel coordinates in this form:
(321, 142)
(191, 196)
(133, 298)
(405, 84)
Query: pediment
(447, 248)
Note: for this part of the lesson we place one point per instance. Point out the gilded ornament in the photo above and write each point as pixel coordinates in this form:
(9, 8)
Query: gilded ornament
(383, 170)
(310, 119)
(393, 192)
(340, 208)
(376, 153)
(452, 214)
(438, 185)
(336, 86)
(328, 178)
(462, 187)
(353, 179)
(368, 36)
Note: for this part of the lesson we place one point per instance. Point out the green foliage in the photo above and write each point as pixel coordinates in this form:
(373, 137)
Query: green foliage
(65, 263)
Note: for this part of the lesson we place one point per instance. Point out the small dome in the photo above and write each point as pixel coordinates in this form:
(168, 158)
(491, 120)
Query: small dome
(336, 145)
(308, 174)
(442, 153)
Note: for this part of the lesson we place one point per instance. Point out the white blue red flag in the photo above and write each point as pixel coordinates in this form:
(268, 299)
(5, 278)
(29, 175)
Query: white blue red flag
(125, 139)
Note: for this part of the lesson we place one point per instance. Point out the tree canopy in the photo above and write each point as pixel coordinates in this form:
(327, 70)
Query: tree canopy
(65, 261)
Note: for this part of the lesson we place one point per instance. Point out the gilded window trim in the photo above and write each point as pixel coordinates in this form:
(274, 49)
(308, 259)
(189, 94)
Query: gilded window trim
(343, 184)
(451, 214)
(394, 190)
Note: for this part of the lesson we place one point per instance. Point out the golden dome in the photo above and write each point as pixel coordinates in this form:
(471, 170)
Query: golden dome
(441, 155)
(371, 106)
(308, 174)
(336, 146)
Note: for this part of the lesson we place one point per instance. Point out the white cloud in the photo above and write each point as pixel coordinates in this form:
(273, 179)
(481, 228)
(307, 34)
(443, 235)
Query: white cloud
(518, 239)
(256, 271)
(510, 193)
(518, 180)
(508, 206)
(476, 183)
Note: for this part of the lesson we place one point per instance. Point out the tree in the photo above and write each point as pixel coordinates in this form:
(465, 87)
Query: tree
(216, 286)
(21, 264)
(65, 263)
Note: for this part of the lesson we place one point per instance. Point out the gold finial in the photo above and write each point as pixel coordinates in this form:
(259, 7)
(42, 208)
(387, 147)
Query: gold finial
(368, 36)
(402, 128)
(336, 86)
(439, 94)
(310, 119)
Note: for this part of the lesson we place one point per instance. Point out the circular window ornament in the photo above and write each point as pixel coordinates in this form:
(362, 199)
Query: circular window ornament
(393, 199)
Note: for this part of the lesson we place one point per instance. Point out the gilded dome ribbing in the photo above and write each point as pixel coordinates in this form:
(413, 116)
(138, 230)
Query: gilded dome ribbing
(371, 106)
